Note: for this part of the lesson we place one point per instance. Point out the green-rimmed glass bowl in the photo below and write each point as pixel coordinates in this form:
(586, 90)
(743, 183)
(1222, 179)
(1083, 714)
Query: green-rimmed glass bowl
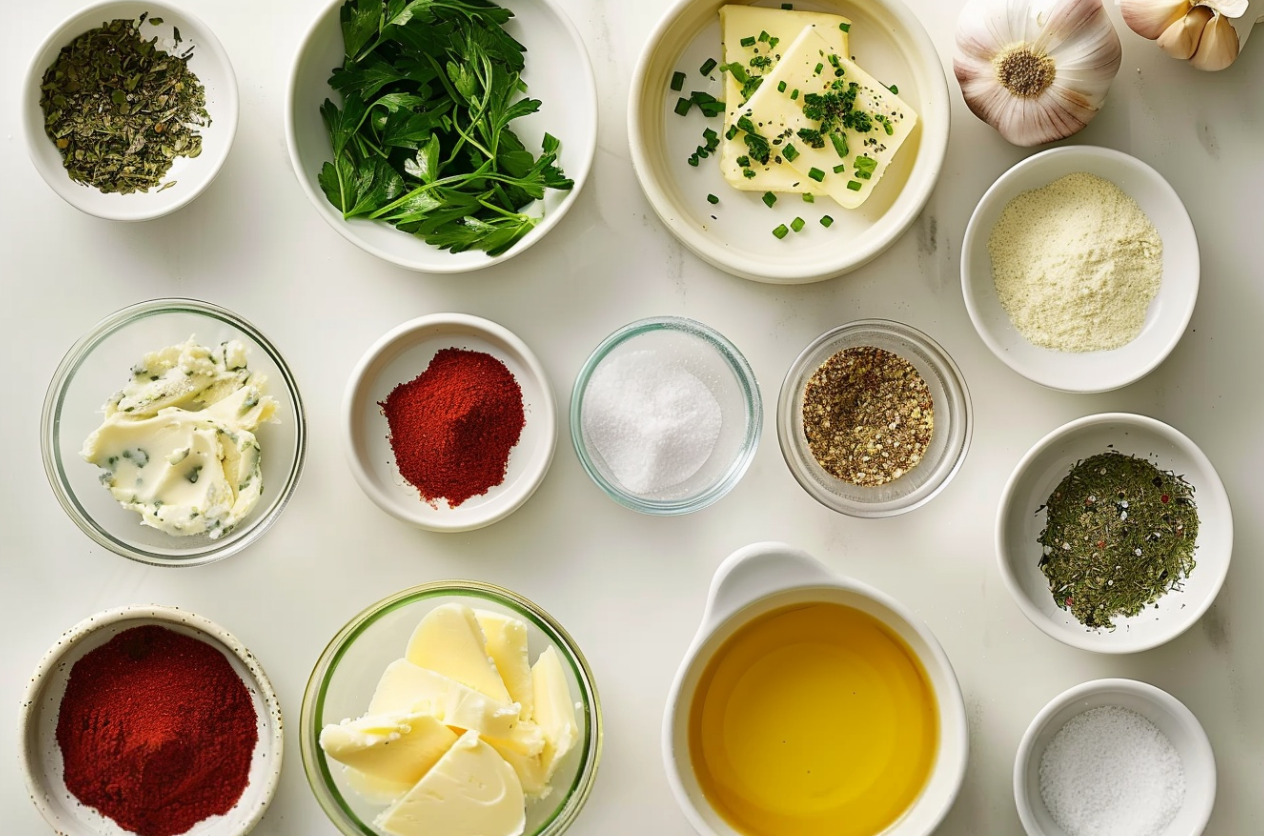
(348, 671)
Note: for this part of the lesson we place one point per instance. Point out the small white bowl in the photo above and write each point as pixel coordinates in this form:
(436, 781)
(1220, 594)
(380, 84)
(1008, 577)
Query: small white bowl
(209, 63)
(400, 356)
(558, 73)
(1169, 714)
(1018, 525)
(41, 756)
(1169, 313)
(764, 577)
(889, 42)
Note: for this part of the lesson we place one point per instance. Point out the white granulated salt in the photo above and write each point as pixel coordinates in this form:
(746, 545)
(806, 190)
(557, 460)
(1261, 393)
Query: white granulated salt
(1111, 772)
(652, 421)
(1076, 264)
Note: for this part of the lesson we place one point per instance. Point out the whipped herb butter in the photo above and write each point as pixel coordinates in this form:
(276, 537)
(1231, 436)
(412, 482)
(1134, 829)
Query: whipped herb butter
(178, 442)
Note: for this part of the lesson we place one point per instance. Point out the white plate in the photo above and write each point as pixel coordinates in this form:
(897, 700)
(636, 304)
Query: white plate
(209, 63)
(1169, 314)
(1018, 526)
(41, 755)
(558, 73)
(400, 356)
(889, 42)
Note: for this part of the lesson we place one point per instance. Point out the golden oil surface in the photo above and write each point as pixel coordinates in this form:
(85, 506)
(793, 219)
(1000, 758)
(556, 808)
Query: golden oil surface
(813, 720)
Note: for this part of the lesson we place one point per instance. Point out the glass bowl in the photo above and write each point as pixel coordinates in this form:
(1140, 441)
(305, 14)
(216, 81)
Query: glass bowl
(348, 671)
(715, 361)
(97, 366)
(950, 438)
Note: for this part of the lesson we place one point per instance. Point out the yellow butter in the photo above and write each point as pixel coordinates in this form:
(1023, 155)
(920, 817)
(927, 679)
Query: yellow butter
(507, 645)
(404, 687)
(554, 710)
(396, 749)
(449, 641)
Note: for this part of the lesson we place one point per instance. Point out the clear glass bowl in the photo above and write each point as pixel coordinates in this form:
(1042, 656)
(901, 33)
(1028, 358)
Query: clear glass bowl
(717, 363)
(97, 367)
(950, 438)
(348, 671)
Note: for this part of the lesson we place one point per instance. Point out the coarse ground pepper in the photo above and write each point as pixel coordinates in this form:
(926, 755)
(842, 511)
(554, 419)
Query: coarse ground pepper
(868, 416)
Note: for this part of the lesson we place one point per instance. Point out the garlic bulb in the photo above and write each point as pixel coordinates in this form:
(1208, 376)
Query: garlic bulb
(1036, 70)
(1200, 31)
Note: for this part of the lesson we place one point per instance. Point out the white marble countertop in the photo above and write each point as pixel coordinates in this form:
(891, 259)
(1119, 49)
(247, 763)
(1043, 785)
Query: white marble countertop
(631, 588)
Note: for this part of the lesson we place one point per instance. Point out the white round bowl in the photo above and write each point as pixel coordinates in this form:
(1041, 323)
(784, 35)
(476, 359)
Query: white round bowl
(735, 235)
(400, 356)
(1169, 714)
(209, 63)
(1045, 465)
(41, 756)
(1169, 314)
(558, 73)
(764, 577)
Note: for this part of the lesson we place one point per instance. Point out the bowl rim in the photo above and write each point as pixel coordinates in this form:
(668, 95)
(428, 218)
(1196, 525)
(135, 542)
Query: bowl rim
(357, 391)
(794, 272)
(747, 383)
(579, 173)
(220, 637)
(254, 526)
(226, 120)
(1150, 693)
(1190, 615)
(943, 364)
(971, 242)
(315, 765)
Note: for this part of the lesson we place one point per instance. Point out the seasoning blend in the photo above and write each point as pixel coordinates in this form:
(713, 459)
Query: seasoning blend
(157, 731)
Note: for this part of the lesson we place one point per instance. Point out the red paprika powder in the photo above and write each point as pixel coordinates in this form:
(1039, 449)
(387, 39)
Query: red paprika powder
(453, 426)
(156, 731)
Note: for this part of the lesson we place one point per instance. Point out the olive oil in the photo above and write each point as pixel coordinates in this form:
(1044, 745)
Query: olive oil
(813, 720)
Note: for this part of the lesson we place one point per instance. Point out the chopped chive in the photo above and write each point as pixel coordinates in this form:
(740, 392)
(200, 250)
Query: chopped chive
(682, 106)
(748, 173)
(855, 185)
(712, 199)
(701, 153)
(866, 163)
(818, 69)
(794, 94)
(787, 6)
(808, 197)
(743, 161)
(840, 168)
(772, 42)
(708, 66)
(678, 81)
(846, 27)
(763, 36)
(840, 144)
(886, 126)
(827, 221)
(747, 41)
(781, 87)
(738, 72)
(731, 132)
(790, 152)
(712, 138)
(816, 174)
(769, 199)
(797, 224)
(894, 89)
(693, 161)
(781, 231)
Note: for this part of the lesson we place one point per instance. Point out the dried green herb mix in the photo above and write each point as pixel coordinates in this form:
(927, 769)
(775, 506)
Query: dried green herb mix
(120, 109)
(1120, 534)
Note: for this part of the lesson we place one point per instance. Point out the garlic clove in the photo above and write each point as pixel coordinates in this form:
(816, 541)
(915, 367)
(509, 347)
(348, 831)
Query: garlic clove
(1180, 40)
(1218, 47)
(1149, 18)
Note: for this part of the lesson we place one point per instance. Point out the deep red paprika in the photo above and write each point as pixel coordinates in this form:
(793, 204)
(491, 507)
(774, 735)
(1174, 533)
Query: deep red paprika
(156, 731)
(452, 427)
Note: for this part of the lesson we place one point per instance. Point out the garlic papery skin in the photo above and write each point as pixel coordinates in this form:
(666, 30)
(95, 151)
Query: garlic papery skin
(1036, 70)
(1150, 18)
(1180, 40)
(1218, 47)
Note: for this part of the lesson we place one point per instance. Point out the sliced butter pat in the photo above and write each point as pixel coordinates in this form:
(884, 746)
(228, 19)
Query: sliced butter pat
(404, 687)
(375, 790)
(507, 645)
(782, 118)
(471, 791)
(529, 768)
(736, 23)
(397, 748)
(450, 642)
(554, 710)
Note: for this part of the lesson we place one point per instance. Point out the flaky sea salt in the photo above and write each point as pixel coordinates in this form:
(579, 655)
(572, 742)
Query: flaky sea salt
(653, 422)
(1111, 772)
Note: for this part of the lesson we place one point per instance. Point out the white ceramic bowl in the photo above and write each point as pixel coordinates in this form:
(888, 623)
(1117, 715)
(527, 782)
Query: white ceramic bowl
(1018, 525)
(1169, 714)
(1169, 313)
(209, 63)
(41, 756)
(764, 577)
(889, 42)
(558, 73)
(400, 356)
